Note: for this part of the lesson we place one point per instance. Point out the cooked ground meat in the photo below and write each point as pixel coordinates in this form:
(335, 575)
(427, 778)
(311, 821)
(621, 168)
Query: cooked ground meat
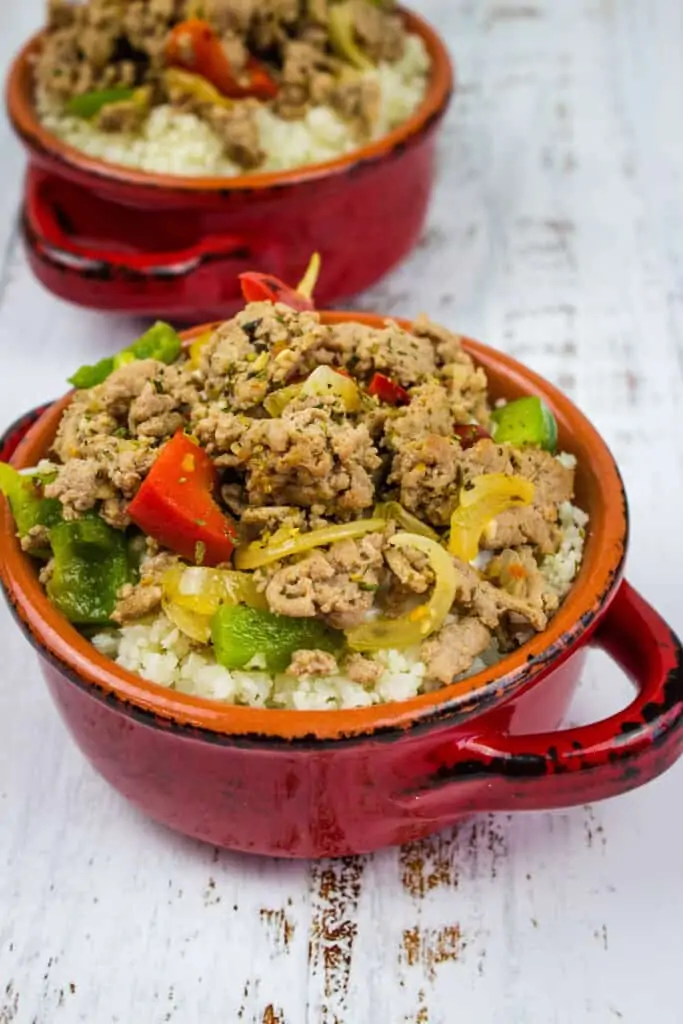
(492, 604)
(358, 101)
(230, 16)
(553, 482)
(410, 568)
(99, 44)
(236, 363)
(521, 526)
(60, 14)
(313, 663)
(268, 519)
(238, 130)
(307, 459)
(380, 34)
(135, 601)
(362, 670)
(338, 585)
(431, 468)
(453, 649)
(125, 116)
(107, 440)
(308, 77)
(79, 485)
(425, 472)
(429, 412)
(36, 541)
(291, 460)
(403, 356)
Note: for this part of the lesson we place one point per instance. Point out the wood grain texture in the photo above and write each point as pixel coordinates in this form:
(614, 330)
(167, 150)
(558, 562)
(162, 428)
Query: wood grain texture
(556, 234)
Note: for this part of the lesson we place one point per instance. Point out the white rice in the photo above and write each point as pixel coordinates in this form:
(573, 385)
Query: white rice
(158, 651)
(561, 569)
(180, 143)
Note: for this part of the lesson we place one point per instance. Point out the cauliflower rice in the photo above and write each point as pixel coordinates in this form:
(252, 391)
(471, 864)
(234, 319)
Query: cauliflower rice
(173, 142)
(159, 652)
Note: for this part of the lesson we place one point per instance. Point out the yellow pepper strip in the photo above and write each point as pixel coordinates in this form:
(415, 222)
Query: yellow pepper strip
(489, 496)
(197, 347)
(180, 84)
(342, 37)
(415, 626)
(257, 554)
(306, 286)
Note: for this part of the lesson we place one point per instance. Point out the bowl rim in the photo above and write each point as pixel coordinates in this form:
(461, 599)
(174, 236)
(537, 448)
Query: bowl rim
(61, 644)
(27, 125)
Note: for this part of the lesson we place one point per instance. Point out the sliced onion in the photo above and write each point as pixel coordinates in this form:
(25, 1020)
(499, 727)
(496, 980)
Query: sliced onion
(393, 511)
(342, 37)
(196, 627)
(257, 554)
(326, 381)
(277, 401)
(201, 590)
(490, 496)
(415, 626)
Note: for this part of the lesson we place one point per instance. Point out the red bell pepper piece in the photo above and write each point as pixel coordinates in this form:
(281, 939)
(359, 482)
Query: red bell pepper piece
(265, 288)
(261, 84)
(175, 504)
(194, 46)
(469, 434)
(388, 391)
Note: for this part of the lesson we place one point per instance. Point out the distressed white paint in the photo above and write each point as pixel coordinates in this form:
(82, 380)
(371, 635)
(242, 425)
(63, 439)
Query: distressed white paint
(555, 234)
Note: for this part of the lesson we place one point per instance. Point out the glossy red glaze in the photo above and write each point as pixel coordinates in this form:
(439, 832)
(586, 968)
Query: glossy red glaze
(312, 784)
(116, 239)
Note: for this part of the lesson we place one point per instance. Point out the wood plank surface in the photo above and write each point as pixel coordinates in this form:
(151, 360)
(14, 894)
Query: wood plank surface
(556, 233)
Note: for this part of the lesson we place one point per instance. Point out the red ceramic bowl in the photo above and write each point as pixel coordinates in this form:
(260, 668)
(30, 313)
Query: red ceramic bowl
(112, 238)
(314, 784)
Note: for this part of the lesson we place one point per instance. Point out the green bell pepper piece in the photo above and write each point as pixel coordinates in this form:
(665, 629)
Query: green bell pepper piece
(90, 566)
(239, 633)
(90, 376)
(90, 103)
(160, 342)
(28, 506)
(525, 422)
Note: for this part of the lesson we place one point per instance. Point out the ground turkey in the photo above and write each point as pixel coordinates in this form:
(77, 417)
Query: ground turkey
(313, 663)
(306, 459)
(238, 129)
(135, 601)
(109, 436)
(380, 33)
(453, 649)
(308, 78)
(338, 585)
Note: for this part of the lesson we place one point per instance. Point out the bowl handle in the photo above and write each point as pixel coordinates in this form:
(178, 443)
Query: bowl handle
(220, 257)
(582, 765)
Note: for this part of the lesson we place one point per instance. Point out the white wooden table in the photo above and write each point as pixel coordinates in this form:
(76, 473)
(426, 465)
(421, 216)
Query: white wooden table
(557, 234)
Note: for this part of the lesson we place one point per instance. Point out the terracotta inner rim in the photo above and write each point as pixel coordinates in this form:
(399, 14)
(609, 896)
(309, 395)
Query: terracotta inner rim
(23, 115)
(599, 491)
